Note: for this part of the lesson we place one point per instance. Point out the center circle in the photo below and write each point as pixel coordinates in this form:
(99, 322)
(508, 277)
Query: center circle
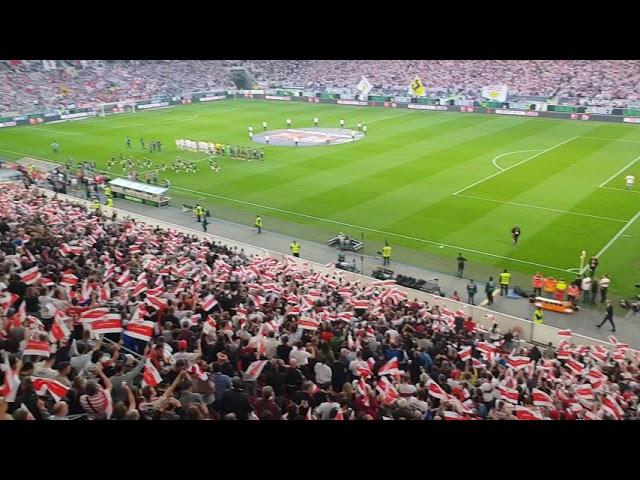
(307, 137)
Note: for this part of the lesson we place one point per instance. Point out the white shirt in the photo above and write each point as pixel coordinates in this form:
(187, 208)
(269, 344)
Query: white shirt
(315, 120)
(301, 356)
(323, 373)
(604, 282)
(264, 124)
(289, 121)
(586, 283)
(630, 179)
(354, 365)
(341, 122)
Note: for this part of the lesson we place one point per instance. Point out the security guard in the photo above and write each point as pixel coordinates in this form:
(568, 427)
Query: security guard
(537, 281)
(505, 279)
(295, 249)
(259, 223)
(107, 191)
(109, 202)
(199, 211)
(96, 205)
(538, 316)
(386, 253)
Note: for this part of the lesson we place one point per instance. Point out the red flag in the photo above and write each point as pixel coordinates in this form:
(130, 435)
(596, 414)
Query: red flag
(151, 376)
(465, 354)
(449, 415)
(565, 333)
(140, 330)
(524, 413)
(390, 368)
(59, 329)
(518, 362)
(436, 391)
(509, 394)
(37, 347)
(11, 385)
(30, 276)
(110, 323)
(69, 280)
(155, 302)
(254, 370)
(55, 388)
(308, 324)
(541, 399)
(610, 405)
(93, 314)
(575, 366)
(209, 302)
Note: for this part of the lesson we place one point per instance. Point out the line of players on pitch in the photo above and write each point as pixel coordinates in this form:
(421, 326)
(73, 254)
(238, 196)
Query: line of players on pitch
(316, 122)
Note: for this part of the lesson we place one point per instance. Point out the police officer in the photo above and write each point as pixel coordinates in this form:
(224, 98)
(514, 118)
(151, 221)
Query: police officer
(538, 316)
(386, 253)
(96, 205)
(107, 191)
(109, 202)
(259, 223)
(505, 279)
(488, 289)
(295, 249)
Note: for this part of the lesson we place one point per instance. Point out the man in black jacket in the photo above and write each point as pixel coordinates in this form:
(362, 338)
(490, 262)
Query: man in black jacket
(236, 401)
(608, 316)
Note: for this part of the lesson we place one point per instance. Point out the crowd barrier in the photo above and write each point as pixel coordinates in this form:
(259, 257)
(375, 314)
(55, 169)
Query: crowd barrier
(529, 331)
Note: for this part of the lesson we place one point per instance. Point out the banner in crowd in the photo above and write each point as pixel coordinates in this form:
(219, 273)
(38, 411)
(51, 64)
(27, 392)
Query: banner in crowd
(416, 88)
(495, 92)
(364, 87)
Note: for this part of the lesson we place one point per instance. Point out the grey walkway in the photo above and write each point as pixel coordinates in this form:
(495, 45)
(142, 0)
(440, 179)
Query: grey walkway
(582, 322)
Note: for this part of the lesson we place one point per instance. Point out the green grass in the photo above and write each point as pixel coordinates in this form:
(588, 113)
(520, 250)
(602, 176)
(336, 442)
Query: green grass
(398, 183)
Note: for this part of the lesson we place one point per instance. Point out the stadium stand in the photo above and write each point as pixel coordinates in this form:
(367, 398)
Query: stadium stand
(25, 86)
(118, 319)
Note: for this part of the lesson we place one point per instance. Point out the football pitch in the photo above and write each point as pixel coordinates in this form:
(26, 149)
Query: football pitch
(434, 184)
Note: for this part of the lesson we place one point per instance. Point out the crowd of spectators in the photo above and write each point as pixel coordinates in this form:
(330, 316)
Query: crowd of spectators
(26, 86)
(112, 319)
(29, 87)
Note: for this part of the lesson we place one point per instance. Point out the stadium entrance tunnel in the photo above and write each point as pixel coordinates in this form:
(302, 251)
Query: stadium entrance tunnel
(307, 137)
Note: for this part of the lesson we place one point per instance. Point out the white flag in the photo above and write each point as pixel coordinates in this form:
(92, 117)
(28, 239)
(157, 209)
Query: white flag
(364, 87)
(495, 92)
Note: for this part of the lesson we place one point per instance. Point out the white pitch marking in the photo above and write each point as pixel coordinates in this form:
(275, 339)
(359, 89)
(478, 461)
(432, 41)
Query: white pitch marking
(620, 189)
(495, 159)
(628, 165)
(611, 139)
(616, 236)
(48, 130)
(514, 165)
(544, 208)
